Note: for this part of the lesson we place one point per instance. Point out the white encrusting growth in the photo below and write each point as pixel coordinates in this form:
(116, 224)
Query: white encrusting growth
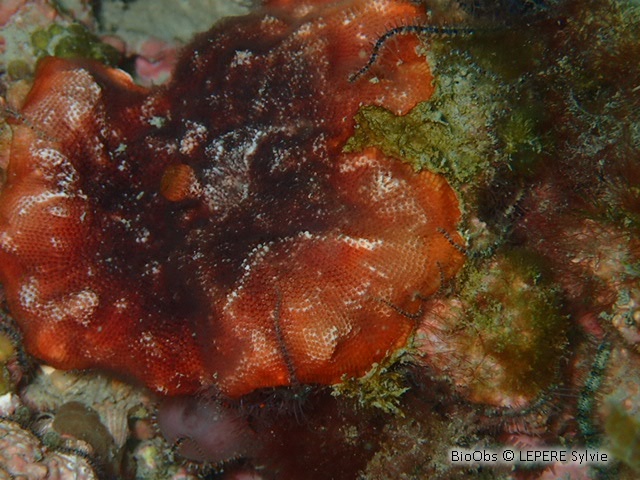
(242, 57)
(356, 162)
(60, 211)
(226, 181)
(149, 342)
(363, 243)
(121, 304)
(157, 121)
(28, 294)
(193, 137)
(54, 167)
(77, 307)
(386, 184)
(80, 306)
(143, 235)
(321, 343)
(77, 99)
(24, 205)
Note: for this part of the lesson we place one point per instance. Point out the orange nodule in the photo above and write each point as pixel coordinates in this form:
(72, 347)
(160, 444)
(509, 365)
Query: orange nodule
(178, 182)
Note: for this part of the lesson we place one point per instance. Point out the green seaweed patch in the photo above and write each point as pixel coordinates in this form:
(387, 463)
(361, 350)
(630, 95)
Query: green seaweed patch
(382, 387)
(19, 69)
(621, 199)
(425, 138)
(510, 53)
(453, 132)
(7, 353)
(73, 41)
(507, 56)
(516, 312)
(521, 139)
(623, 436)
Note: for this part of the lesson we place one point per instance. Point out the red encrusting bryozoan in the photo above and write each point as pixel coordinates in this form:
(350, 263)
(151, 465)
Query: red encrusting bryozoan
(212, 232)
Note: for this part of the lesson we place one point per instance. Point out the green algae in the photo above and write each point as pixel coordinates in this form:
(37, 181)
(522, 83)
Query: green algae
(521, 139)
(18, 69)
(516, 312)
(623, 435)
(7, 352)
(452, 133)
(426, 138)
(73, 41)
(382, 387)
(499, 62)
(483, 118)
(485, 128)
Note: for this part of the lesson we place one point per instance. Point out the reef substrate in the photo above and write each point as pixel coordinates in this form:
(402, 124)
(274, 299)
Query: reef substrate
(531, 120)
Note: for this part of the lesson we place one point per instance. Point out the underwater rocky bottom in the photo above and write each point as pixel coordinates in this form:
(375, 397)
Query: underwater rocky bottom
(532, 344)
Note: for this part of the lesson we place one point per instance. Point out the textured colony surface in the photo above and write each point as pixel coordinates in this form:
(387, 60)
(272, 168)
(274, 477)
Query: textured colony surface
(212, 232)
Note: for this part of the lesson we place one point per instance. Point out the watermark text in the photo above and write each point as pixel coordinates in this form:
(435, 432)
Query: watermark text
(529, 456)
